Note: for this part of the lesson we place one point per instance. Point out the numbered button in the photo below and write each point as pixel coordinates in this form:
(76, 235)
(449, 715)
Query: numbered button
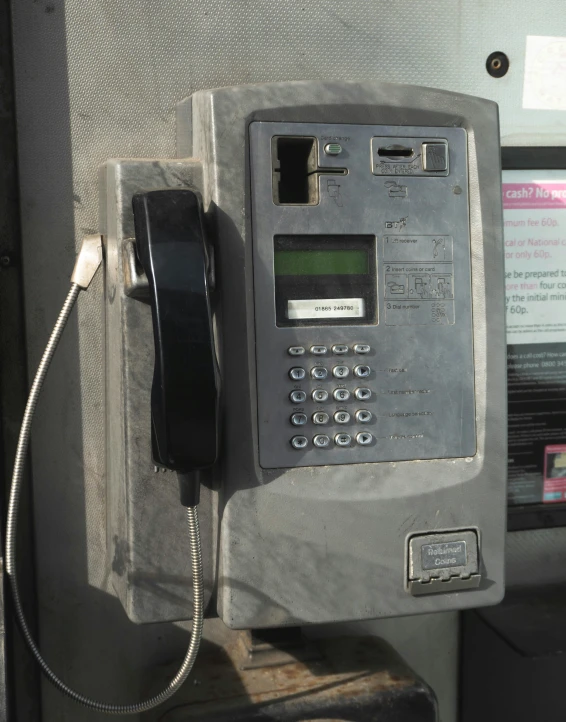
(295, 351)
(364, 438)
(299, 442)
(342, 440)
(321, 440)
(299, 419)
(361, 348)
(297, 373)
(340, 372)
(319, 350)
(320, 418)
(341, 394)
(319, 373)
(362, 372)
(363, 394)
(341, 417)
(339, 349)
(363, 416)
(297, 397)
(320, 395)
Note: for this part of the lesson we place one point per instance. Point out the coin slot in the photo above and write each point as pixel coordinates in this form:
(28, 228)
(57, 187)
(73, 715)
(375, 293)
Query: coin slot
(294, 162)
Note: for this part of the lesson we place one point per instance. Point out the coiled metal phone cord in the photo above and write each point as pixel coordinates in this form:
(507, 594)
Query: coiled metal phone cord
(17, 478)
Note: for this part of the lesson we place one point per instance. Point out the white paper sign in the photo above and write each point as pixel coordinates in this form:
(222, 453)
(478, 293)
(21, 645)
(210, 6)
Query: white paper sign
(326, 308)
(545, 73)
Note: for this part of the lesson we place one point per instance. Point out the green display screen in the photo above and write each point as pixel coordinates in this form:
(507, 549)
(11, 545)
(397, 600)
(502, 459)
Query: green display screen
(321, 263)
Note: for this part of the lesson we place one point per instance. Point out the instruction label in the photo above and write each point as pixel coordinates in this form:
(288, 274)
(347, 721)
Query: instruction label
(419, 291)
(535, 260)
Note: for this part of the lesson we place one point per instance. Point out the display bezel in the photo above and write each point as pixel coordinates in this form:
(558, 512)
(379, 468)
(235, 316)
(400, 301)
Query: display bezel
(326, 286)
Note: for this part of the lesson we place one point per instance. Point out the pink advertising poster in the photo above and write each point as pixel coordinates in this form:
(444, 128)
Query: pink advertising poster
(534, 209)
(555, 473)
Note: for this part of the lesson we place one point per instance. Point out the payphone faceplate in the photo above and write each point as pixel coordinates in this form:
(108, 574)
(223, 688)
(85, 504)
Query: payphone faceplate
(363, 309)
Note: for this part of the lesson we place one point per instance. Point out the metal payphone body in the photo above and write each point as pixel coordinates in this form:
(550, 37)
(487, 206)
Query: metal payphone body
(360, 329)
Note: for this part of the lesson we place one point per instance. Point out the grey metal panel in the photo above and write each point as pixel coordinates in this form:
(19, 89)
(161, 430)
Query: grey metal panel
(295, 542)
(146, 526)
(437, 378)
(414, 638)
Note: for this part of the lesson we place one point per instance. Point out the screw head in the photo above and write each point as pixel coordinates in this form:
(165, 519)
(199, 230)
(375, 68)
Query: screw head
(497, 64)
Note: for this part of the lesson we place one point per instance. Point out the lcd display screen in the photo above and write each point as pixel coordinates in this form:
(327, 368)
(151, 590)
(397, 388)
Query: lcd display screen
(332, 262)
(323, 280)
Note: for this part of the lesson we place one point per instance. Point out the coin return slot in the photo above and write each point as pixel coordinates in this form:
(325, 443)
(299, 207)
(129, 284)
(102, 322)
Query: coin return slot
(395, 152)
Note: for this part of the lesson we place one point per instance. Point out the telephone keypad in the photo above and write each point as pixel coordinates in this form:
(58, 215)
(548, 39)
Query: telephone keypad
(320, 418)
(340, 416)
(341, 394)
(320, 395)
(319, 373)
(297, 397)
(340, 372)
(297, 373)
(299, 442)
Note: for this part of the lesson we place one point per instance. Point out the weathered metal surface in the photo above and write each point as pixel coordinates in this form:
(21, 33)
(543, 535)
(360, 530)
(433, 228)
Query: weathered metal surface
(259, 648)
(356, 679)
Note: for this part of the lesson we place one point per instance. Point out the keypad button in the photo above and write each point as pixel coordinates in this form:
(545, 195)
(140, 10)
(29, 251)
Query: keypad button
(297, 397)
(321, 440)
(320, 395)
(339, 349)
(342, 439)
(297, 373)
(299, 419)
(319, 373)
(340, 372)
(341, 394)
(363, 394)
(341, 417)
(319, 350)
(320, 418)
(363, 416)
(364, 438)
(296, 350)
(361, 348)
(299, 442)
(362, 372)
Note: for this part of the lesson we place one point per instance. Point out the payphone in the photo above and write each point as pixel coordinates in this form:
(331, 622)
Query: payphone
(323, 269)
(353, 236)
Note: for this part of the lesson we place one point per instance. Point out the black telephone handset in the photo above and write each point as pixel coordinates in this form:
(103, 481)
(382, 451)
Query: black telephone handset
(172, 249)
